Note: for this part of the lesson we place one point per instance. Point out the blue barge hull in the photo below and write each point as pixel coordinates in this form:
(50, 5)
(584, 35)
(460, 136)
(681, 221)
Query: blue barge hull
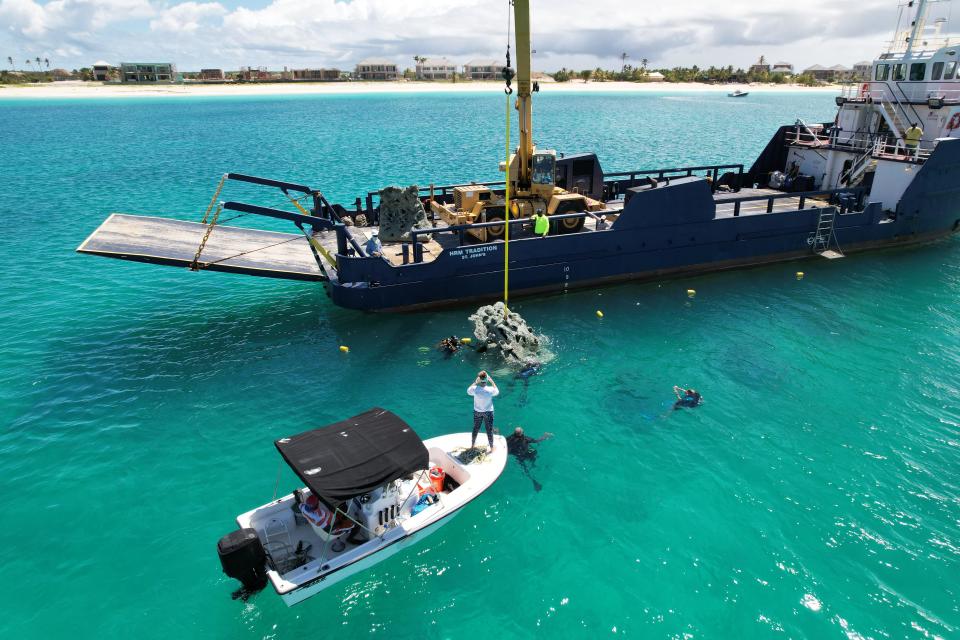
(669, 230)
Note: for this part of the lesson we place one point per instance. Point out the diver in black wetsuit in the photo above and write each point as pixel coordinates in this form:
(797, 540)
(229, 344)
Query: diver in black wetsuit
(687, 398)
(449, 346)
(519, 445)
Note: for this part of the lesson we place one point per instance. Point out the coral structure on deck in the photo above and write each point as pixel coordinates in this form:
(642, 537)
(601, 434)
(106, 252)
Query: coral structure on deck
(401, 211)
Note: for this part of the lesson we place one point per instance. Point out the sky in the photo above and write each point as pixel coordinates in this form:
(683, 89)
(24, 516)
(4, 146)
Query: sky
(577, 34)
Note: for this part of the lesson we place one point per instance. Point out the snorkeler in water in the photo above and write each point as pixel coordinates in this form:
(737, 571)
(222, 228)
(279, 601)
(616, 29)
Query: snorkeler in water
(688, 398)
(520, 446)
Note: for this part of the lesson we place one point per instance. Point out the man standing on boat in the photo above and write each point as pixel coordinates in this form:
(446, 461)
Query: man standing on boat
(483, 391)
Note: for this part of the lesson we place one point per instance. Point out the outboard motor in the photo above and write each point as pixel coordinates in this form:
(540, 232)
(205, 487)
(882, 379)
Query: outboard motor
(242, 557)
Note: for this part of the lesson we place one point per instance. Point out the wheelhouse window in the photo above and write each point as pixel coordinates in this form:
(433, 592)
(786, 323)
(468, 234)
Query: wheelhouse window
(899, 72)
(937, 71)
(949, 69)
(883, 72)
(918, 71)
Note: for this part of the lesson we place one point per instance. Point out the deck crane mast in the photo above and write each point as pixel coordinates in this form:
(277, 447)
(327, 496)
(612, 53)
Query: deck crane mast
(530, 172)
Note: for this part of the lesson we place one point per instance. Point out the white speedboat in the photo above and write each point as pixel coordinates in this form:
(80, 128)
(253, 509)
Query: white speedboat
(738, 94)
(373, 488)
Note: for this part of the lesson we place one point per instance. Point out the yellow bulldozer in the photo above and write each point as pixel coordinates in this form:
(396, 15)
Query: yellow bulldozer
(532, 174)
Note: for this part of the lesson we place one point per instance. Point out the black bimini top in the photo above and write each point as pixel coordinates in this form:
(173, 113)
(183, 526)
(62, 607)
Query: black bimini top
(354, 456)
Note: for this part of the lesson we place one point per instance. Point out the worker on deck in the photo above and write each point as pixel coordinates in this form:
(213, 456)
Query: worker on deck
(911, 138)
(373, 247)
(541, 224)
(483, 390)
(520, 446)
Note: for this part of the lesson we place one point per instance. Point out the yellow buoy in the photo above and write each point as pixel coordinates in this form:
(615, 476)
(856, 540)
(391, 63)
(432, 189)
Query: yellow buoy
(799, 275)
(599, 313)
(344, 349)
(691, 293)
(465, 340)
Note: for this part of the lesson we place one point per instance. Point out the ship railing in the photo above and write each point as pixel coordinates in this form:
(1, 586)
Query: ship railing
(623, 180)
(847, 199)
(832, 137)
(890, 148)
(934, 93)
(461, 230)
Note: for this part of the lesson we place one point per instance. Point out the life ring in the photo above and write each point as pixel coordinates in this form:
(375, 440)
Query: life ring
(954, 122)
(864, 89)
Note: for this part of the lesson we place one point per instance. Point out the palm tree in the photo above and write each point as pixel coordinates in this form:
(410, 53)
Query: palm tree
(10, 60)
(623, 61)
(46, 61)
(39, 68)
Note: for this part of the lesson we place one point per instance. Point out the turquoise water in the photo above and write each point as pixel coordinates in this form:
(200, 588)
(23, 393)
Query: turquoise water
(814, 495)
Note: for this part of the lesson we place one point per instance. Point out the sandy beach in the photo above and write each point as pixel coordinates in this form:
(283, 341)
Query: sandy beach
(71, 89)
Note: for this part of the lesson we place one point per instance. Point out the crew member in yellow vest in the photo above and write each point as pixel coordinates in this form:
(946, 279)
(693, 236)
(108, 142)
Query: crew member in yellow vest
(541, 224)
(911, 137)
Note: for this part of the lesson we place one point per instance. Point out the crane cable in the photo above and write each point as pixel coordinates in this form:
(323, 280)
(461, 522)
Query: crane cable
(507, 75)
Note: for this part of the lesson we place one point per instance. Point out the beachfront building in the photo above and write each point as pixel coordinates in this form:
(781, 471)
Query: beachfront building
(841, 73)
(760, 67)
(211, 74)
(819, 72)
(653, 76)
(376, 69)
(253, 74)
(836, 73)
(861, 70)
(483, 70)
(435, 69)
(782, 67)
(147, 72)
(316, 75)
(102, 71)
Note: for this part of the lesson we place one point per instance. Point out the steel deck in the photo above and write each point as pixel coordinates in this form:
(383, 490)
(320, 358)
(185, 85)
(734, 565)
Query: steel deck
(231, 249)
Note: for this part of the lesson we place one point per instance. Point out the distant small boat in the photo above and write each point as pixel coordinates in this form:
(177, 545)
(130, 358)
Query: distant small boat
(738, 94)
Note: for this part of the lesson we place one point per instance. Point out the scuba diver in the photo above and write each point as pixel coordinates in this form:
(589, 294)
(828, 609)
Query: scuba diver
(530, 369)
(449, 346)
(519, 445)
(687, 398)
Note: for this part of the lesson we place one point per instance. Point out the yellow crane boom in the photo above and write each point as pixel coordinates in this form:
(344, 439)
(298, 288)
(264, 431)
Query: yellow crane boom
(521, 19)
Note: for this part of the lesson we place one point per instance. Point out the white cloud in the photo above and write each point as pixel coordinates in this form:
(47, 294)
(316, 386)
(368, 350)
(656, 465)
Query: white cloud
(34, 20)
(186, 16)
(338, 32)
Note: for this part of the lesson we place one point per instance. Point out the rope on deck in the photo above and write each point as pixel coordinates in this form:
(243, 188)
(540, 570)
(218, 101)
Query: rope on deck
(243, 253)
